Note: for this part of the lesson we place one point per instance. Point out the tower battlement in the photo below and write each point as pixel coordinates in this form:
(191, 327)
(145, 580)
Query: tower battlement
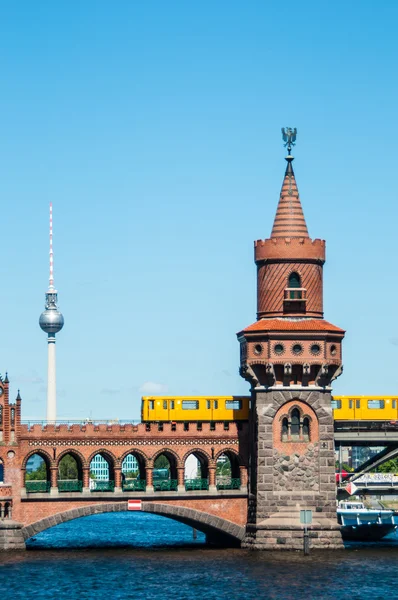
(290, 248)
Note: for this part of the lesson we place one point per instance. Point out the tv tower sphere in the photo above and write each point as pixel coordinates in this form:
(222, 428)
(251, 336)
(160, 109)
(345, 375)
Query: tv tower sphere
(51, 320)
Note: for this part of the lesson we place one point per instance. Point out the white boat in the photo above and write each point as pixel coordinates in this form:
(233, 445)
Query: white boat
(364, 524)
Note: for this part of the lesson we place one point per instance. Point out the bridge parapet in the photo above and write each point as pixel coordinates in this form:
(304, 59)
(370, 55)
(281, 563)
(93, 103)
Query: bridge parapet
(45, 430)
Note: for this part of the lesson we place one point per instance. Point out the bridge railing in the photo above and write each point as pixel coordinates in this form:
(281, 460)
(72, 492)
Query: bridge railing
(365, 426)
(231, 483)
(37, 485)
(134, 485)
(165, 485)
(100, 485)
(196, 484)
(29, 423)
(69, 485)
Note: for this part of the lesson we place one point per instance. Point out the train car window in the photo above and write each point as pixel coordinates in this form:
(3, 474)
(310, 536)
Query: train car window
(394, 403)
(165, 404)
(350, 403)
(375, 403)
(172, 404)
(186, 426)
(215, 404)
(190, 404)
(357, 403)
(208, 404)
(336, 404)
(233, 404)
(151, 404)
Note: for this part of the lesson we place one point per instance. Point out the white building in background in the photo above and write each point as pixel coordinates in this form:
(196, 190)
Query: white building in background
(191, 467)
(100, 469)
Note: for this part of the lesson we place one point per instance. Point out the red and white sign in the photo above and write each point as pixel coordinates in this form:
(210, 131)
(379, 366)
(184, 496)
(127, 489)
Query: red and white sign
(351, 488)
(134, 505)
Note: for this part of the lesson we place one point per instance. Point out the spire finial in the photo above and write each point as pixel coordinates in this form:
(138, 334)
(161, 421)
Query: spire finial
(289, 219)
(51, 279)
(289, 137)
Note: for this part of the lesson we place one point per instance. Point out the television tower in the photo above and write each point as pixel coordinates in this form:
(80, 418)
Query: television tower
(51, 321)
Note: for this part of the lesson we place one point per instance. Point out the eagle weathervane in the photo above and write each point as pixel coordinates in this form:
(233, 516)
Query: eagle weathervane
(289, 137)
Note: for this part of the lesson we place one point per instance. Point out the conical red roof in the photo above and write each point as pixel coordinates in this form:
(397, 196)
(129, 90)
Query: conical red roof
(289, 219)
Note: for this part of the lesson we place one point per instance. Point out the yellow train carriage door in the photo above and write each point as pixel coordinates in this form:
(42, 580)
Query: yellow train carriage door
(149, 408)
(172, 409)
(390, 412)
(208, 414)
(337, 407)
(161, 409)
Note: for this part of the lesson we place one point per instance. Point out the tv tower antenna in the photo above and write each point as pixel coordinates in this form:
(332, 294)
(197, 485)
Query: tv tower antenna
(51, 321)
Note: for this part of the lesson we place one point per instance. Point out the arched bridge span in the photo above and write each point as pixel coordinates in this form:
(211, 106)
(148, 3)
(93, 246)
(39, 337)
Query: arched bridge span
(216, 528)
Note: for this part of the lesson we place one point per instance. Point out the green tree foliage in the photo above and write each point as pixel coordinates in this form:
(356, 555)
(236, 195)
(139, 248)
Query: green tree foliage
(131, 474)
(68, 468)
(39, 474)
(344, 467)
(223, 468)
(391, 466)
(162, 463)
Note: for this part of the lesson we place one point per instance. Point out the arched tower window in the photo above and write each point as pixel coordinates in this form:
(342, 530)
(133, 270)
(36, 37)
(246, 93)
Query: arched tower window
(285, 429)
(1, 415)
(12, 417)
(306, 429)
(295, 423)
(294, 280)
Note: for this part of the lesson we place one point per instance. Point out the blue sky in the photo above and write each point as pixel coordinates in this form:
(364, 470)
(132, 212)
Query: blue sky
(154, 128)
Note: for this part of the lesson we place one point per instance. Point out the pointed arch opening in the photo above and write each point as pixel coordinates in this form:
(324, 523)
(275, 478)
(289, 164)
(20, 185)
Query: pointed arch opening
(196, 471)
(102, 473)
(37, 473)
(228, 471)
(70, 473)
(294, 280)
(164, 472)
(133, 473)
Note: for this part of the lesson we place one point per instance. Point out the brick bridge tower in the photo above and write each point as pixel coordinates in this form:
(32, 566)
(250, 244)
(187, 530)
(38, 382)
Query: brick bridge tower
(290, 356)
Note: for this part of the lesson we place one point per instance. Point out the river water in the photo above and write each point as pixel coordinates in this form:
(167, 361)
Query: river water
(144, 556)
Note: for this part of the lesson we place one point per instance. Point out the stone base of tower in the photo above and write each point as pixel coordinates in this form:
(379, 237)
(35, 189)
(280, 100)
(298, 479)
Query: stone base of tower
(283, 531)
(292, 469)
(11, 537)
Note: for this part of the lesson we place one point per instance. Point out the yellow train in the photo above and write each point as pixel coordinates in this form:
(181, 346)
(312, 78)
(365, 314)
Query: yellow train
(365, 408)
(236, 408)
(195, 408)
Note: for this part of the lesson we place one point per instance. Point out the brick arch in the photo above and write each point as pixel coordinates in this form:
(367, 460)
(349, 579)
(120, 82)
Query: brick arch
(231, 451)
(104, 453)
(142, 460)
(203, 458)
(214, 527)
(202, 453)
(75, 454)
(135, 452)
(167, 451)
(45, 455)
